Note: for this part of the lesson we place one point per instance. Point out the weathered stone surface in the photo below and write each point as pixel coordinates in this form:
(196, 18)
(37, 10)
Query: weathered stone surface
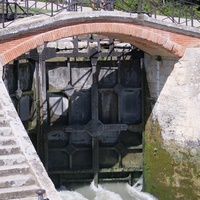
(20, 192)
(5, 131)
(7, 141)
(12, 159)
(16, 181)
(172, 146)
(21, 171)
(9, 149)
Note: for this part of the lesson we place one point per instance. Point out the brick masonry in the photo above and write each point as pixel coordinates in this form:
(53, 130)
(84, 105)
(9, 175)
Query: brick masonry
(152, 39)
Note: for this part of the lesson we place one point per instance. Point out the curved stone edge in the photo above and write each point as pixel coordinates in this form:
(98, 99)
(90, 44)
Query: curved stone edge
(26, 145)
(143, 38)
(35, 22)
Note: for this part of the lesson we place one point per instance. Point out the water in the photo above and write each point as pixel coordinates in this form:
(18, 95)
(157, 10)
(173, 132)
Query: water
(105, 191)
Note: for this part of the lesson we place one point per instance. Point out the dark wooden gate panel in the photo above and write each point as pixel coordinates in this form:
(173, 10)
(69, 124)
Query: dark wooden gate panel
(95, 118)
(86, 115)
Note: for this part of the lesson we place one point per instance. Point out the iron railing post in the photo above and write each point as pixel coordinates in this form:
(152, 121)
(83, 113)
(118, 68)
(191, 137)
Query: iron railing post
(122, 5)
(7, 3)
(187, 17)
(57, 5)
(192, 17)
(172, 9)
(179, 13)
(139, 6)
(15, 5)
(27, 6)
(51, 8)
(3, 14)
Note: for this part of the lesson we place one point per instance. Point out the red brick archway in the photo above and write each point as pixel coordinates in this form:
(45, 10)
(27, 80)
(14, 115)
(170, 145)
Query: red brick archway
(152, 41)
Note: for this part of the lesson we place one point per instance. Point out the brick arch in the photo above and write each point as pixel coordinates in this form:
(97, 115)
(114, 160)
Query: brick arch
(150, 40)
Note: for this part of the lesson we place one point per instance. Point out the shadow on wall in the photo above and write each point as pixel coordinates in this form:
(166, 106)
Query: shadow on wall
(126, 94)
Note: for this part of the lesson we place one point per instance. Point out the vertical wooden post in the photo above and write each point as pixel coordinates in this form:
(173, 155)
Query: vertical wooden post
(43, 142)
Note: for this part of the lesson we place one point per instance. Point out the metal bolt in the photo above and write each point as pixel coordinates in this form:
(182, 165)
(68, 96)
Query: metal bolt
(40, 193)
(18, 93)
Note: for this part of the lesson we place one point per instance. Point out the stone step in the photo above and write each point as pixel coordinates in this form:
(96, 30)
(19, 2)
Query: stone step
(9, 149)
(31, 198)
(16, 181)
(3, 121)
(18, 192)
(14, 170)
(5, 131)
(10, 140)
(12, 159)
(1, 113)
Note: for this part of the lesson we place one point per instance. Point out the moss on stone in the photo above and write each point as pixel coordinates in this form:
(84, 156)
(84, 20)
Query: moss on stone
(170, 172)
(158, 170)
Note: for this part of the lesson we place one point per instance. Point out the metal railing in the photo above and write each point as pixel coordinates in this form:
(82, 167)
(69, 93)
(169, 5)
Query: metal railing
(176, 11)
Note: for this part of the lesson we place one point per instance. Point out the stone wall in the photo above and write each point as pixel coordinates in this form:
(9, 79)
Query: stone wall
(172, 132)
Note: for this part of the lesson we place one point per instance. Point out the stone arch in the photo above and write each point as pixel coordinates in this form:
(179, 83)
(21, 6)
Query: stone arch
(150, 40)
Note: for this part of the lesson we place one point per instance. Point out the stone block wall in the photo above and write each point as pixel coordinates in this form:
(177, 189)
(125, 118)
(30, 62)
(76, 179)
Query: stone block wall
(172, 132)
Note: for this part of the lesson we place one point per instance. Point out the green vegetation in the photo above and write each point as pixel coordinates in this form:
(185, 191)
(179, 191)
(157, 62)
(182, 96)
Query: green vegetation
(170, 171)
(22, 10)
(174, 8)
(170, 8)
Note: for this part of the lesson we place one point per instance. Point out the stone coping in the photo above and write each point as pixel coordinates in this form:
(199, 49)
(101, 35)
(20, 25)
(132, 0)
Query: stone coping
(65, 18)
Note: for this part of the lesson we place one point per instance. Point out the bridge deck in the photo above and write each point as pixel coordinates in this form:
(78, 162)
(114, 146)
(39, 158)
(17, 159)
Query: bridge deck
(178, 14)
(140, 30)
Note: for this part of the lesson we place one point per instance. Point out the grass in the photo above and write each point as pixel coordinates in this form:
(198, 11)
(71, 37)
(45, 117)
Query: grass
(12, 8)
